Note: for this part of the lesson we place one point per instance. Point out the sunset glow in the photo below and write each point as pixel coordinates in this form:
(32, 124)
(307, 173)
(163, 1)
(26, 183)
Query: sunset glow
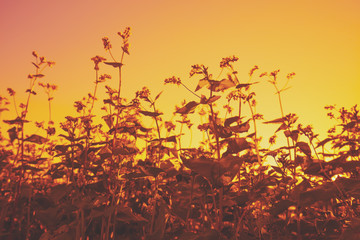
(319, 41)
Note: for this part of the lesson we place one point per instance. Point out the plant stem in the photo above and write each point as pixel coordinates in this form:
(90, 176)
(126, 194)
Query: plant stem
(282, 115)
(159, 136)
(256, 139)
(189, 90)
(17, 113)
(118, 98)
(190, 204)
(94, 96)
(216, 133)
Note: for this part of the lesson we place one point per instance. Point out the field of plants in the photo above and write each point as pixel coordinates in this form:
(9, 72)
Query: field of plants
(129, 177)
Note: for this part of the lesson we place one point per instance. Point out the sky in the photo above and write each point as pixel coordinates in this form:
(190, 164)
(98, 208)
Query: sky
(318, 40)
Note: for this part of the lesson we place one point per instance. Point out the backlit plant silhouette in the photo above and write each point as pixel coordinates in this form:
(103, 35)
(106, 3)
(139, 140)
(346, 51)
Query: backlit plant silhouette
(130, 177)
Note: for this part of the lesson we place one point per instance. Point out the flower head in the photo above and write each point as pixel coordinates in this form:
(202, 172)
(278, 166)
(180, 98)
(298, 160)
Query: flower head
(50, 63)
(253, 70)
(11, 91)
(143, 94)
(226, 62)
(275, 73)
(126, 47)
(97, 60)
(173, 80)
(263, 74)
(42, 60)
(169, 126)
(126, 34)
(199, 69)
(103, 78)
(35, 54)
(290, 75)
(272, 139)
(48, 87)
(79, 106)
(106, 42)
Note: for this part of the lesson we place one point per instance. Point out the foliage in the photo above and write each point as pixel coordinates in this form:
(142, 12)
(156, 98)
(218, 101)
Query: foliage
(122, 180)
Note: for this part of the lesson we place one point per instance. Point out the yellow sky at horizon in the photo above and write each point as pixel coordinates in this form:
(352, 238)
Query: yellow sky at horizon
(318, 40)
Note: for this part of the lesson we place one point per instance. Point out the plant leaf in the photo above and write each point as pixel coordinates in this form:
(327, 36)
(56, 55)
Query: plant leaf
(202, 83)
(322, 193)
(125, 215)
(277, 120)
(231, 164)
(222, 85)
(323, 142)
(150, 114)
(204, 166)
(244, 127)
(114, 64)
(12, 134)
(188, 108)
(36, 139)
(304, 147)
(167, 139)
(17, 120)
(39, 75)
(37, 66)
(212, 99)
(151, 171)
(236, 145)
(294, 135)
(157, 96)
(242, 85)
(231, 120)
(281, 206)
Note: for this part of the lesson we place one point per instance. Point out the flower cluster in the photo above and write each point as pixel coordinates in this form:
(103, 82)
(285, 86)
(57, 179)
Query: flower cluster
(42, 61)
(11, 91)
(228, 108)
(226, 62)
(307, 131)
(253, 70)
(79, 106)
(199, 69)
(169, 126)
(103, 78)
(125, 36)
(258, 116)
(97, 60)
(290, 75)
(106, 43)
(50, 63)
(135, 102)
(143, 94)
(275, 73)
(263, 74)
(48, 86)
(235, 95)
(272, 139)
(173, 80)
(329, 107)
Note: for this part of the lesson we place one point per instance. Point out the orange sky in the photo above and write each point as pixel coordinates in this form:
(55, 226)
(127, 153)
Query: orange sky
(318, 40)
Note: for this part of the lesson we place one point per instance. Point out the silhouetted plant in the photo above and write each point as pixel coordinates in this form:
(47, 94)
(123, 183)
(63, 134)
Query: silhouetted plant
(130, 177)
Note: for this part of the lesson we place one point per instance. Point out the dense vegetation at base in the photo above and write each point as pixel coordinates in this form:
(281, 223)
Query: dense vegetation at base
(124, 178)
